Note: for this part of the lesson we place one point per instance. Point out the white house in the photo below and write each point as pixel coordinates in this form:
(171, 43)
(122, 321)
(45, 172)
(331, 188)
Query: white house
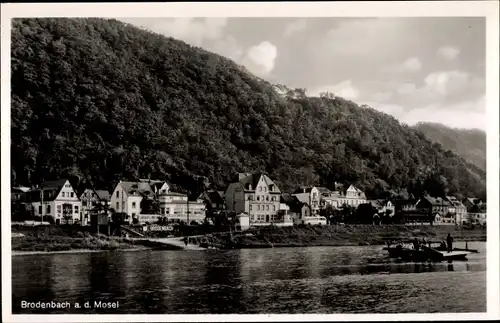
(91, 198)
(56, 199)
(129, 197)
(256, 195)
(309, 195)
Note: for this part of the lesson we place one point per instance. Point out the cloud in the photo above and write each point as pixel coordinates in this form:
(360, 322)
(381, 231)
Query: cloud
(448, 52)
(295, 26)
(228, 47)
(343, 89)
(260, 59)
(394, 110)
(412, 64)
(191, 30)
(465, 114)
(382, 96)
(407, 88)
(447, 82)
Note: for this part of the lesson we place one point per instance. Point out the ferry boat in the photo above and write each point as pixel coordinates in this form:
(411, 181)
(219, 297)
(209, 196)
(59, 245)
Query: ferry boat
(425, 253)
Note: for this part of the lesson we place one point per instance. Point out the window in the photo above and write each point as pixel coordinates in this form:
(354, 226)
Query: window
(267, 207)
(274, 207)
(267, 198)
(250, 207)
(72, 194)
(260, 189)
(258, 207)
(39, 209)
(59, 209)
(265, 189)
(162, 210)
(63, 194)
(76, 208)
(133, 205)
(48, 208)
(117, 193)
(273, 198)
(258, 198)
(117, 206)
(252, 218)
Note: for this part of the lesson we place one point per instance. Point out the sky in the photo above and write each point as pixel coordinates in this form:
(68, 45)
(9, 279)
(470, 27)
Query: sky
(429, 69)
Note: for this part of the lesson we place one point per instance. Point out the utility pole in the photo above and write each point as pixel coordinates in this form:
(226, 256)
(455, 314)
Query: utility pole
(187, 200)
(42, 205)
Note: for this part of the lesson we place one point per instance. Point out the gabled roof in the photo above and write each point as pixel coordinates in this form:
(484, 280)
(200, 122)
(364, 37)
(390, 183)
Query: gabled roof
(214, 196)
(50, 189)
(137, 188)
(253, 179)
(289, 199)
(57, 184)
(436, 201)
(322, 190)
(103, 195)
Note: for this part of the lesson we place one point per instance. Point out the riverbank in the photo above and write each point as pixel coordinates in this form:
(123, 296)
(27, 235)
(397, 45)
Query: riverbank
(346, 235)
(65, 239)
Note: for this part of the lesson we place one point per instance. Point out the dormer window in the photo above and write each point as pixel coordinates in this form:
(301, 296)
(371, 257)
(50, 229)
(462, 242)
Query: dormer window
(271, 188)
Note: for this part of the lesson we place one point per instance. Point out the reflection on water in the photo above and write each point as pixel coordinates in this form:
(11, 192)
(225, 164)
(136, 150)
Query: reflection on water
(279, 280)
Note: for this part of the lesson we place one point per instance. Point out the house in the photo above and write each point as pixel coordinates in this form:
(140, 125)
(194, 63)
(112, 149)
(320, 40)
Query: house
(329, 198)
(128, 196)
(257, 195)
(309, 195)
(437, 205)
(476, 211)
(56, 200)
(214, 201)
(298, 210)
(18, 201)
(457, 208)
(339, 197)
(153, 197)
(404, 205)
(91, 198)
(177, 207)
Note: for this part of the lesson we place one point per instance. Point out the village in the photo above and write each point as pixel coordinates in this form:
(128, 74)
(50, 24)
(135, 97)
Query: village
(252, 200)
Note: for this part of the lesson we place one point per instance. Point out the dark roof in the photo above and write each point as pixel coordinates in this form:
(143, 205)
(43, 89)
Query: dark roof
(103, 195)
(57, 184)
(214, 196)
(322, 189)
(437, 201)
(253, 179)
(137, 188)
(289, 199)
(50, 189)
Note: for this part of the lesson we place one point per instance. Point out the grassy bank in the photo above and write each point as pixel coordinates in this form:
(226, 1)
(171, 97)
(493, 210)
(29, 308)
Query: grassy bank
(348, 235)
(65, 238)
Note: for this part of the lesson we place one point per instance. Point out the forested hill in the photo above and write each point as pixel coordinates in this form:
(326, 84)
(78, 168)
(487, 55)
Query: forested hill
(101, 101)
(468, 143)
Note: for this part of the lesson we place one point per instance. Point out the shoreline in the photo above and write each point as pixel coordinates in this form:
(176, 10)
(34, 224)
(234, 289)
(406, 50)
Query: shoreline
(71, 251)
(256, 246)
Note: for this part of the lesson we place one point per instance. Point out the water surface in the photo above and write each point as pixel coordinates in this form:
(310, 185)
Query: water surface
(279, 280)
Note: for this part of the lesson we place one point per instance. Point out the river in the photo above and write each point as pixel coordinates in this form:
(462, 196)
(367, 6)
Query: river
(265, 281)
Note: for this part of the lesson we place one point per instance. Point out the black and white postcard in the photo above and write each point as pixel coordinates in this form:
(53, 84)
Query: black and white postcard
(190, 161)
